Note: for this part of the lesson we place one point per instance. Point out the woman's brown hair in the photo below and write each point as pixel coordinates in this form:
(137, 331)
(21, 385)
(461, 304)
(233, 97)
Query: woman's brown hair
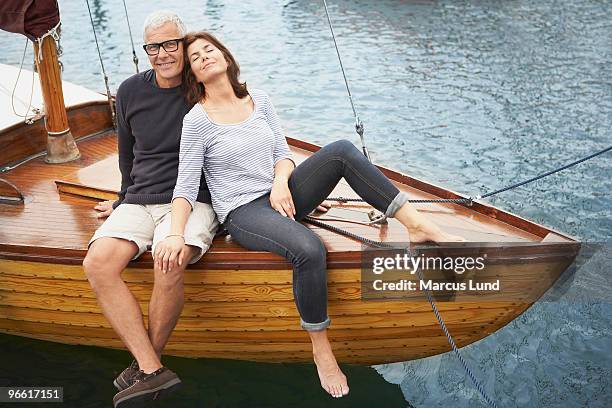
(194, 91)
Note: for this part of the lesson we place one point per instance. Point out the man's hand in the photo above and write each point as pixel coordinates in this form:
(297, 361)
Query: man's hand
(280, 197)
(104, 208)
(170, 253)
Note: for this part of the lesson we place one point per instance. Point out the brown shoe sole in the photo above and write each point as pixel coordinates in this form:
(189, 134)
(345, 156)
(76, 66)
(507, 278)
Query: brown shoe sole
(138, 399)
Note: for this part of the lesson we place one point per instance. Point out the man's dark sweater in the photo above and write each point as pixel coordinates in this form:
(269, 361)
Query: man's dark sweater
(149, 123)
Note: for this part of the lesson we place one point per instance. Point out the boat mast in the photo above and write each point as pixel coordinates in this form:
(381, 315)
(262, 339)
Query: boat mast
(61, 147)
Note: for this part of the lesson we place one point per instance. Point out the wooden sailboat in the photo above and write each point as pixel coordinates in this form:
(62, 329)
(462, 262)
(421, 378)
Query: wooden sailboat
(239, 303)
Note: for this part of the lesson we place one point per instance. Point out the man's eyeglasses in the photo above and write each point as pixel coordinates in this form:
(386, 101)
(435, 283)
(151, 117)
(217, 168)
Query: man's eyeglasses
(168, 46)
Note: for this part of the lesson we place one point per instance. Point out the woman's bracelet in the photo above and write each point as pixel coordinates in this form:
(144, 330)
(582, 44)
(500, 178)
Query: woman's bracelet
(176, 235)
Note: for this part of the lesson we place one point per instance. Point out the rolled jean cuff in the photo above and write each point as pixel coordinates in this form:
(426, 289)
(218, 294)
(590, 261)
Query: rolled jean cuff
(400, 199)
(315, 326)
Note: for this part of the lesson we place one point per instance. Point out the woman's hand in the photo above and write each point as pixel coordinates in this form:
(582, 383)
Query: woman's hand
(280, 197)
(169, 253)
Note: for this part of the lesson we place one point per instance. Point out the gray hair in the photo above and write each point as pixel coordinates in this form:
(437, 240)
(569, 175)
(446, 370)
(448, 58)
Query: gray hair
(159, 18)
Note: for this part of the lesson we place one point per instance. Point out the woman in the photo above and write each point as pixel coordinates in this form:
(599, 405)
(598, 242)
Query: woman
(234, 136)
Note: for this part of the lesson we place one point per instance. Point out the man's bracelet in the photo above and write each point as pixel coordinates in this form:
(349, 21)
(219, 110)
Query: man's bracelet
(176, 235)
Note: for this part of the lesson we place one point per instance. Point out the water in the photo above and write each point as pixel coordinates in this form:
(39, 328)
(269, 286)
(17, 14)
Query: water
(469, 95)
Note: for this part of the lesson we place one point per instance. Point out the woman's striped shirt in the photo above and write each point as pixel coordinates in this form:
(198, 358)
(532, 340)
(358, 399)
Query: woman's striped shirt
(237, 159)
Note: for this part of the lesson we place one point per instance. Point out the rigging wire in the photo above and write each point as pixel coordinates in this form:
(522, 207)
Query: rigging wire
(134, 57)
(358, 123)
(108, 93)
(470, 199)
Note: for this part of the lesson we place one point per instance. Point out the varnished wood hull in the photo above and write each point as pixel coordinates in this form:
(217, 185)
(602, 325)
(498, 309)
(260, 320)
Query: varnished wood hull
(250, 314)
(239, 304)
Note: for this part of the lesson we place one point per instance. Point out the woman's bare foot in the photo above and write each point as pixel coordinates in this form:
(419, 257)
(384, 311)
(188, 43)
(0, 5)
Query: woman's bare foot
(332, 378)
(431, 232)
(422, 229)
(323, 207)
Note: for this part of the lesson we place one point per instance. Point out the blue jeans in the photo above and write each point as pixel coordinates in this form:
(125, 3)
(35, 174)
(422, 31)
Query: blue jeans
(257, 226)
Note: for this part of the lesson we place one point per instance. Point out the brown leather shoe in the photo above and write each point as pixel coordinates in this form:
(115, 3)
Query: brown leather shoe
(126, 378)
(147, 387)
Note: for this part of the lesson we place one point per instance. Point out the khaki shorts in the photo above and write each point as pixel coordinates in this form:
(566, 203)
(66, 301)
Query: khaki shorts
(147, 225)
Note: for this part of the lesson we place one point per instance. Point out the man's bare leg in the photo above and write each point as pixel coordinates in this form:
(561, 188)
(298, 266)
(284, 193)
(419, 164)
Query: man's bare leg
(166, 303)
(106, 259)
(332, 378)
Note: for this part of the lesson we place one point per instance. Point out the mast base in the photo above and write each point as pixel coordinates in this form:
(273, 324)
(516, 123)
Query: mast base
(61, 148)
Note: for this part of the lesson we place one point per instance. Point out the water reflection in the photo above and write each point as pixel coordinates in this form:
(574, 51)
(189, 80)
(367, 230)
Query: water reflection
(99, 15)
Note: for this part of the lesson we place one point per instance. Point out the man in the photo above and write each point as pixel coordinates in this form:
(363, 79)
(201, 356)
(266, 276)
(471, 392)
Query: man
(150, 110)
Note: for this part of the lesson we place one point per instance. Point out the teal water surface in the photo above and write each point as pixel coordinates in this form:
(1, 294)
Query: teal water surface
(470, 95)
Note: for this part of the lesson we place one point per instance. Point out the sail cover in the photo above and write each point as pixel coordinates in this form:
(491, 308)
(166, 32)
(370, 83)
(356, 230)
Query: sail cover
(32, 18)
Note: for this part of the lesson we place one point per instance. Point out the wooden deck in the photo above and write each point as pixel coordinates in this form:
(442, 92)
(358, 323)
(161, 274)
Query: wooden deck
(67, 220)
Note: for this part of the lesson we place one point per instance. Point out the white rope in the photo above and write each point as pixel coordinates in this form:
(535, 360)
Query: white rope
(54, 33)
(28, 118)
